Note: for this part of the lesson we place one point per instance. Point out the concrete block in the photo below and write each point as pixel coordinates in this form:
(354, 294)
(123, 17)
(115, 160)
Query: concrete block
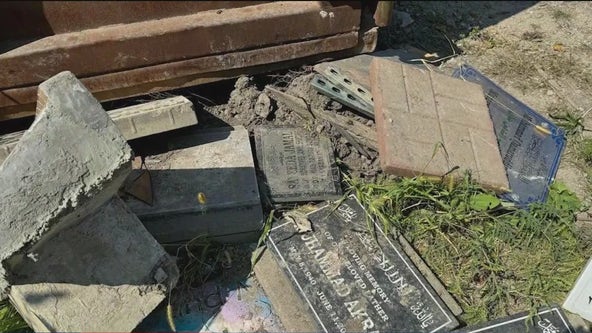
(217, 163)
(428, 123)
(154, 117)
(134, 121)
(67, 164)
(104, 274)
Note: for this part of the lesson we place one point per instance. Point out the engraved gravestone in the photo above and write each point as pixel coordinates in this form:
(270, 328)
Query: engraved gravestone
(295, 165)
(551, 320)
(351, 281)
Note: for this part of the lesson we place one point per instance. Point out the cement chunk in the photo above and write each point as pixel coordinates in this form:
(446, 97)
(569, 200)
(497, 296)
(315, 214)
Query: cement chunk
(67, 164)
(428, 123)
(217, 163)
(102, 274)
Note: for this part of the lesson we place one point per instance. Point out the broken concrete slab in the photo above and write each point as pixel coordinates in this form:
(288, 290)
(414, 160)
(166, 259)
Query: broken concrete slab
(295, 165)
(154, 117)
(217, 163)
(134, 121)
(347, 278)
(108, 263)
(442, 123)
(546, 320)
(67, 164)
(52, 307)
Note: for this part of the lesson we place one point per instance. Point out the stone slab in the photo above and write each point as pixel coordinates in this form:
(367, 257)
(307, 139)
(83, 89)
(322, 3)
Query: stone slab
(579, 299)
(134, 121)
(296, 166)
(350, 281)
(428, 123)
(104, 274)
(531, 158)
(551, 320)
(217, 163)
(154, 117)
(67, 164)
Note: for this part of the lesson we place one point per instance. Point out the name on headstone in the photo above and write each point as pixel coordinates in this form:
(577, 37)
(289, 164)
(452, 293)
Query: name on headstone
(551, 320)
(296, 165)
(353, 281)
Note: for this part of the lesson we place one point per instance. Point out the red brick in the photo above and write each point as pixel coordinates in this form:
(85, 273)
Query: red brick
(428, 123)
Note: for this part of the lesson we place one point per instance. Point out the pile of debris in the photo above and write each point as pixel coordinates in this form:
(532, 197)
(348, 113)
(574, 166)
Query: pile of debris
(84, 233)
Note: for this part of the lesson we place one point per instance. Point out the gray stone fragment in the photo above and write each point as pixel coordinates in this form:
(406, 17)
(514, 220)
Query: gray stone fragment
(104, 274)
(154, 117)
(134, 122)
(62, 307)
(217, 163)
(263, 106)
(67, 164)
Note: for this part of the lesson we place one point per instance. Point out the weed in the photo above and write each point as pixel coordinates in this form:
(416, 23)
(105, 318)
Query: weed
(571, 123)
(533, 35)
(10, 320)
(585, 150)
(560, 15)
(504, 260)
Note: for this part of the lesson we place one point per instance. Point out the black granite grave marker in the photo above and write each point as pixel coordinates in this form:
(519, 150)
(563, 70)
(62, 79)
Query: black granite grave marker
(353, 282)
(551, 320)
(296, 166)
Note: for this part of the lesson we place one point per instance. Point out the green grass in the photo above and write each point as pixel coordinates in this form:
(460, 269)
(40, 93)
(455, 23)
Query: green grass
(10, 320)
(494, 260)
(560, 15)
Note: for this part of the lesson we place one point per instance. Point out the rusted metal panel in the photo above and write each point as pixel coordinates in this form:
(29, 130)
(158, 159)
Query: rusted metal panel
(121, 47)
(46, 18)
(20, 102)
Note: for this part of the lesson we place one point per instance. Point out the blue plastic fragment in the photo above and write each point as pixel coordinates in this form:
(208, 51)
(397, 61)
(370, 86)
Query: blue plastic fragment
(530, 144)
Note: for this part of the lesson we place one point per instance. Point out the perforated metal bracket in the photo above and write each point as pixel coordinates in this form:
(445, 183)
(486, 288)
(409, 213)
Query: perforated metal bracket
(342, 95)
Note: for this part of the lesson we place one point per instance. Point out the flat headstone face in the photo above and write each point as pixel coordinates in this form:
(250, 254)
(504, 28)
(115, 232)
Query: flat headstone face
(428, 123)
(295, 165)
(217, 163)
(352, 282)
(551, 320)
(531, 157)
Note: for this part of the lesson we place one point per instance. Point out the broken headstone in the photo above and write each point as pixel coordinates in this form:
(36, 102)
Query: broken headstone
(340, 278)
(427, 127)
(67, 164)
(551, 320)
(134, 121)
(295, 165)
(530, 145)
(77, 258)
(104, 274)
(204, 185)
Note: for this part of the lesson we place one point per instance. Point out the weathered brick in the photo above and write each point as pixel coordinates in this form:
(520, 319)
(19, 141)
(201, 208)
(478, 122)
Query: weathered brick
(427, 123)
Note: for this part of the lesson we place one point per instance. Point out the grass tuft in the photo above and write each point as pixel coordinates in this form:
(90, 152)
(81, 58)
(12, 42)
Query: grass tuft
(10, 320)
(494, 260)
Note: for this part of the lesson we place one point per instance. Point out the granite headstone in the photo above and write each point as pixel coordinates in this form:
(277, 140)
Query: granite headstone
(354, 280)
(296, 166)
